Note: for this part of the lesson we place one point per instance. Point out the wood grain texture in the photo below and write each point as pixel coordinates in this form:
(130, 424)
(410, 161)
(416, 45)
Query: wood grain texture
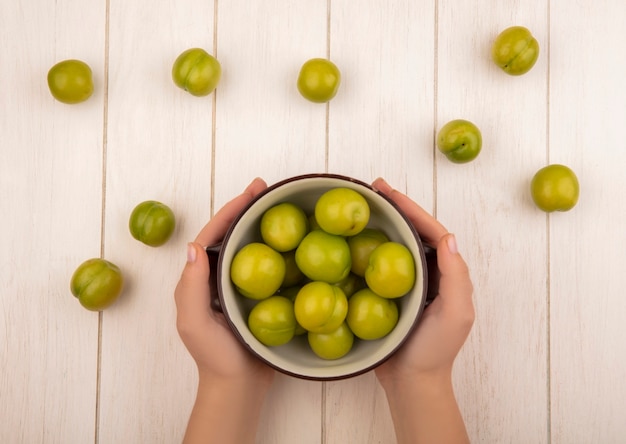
(501, 373)
(50, 188)
(546, 360)
(587, 245)
(387, 48)
(265, 128)
(159, 148)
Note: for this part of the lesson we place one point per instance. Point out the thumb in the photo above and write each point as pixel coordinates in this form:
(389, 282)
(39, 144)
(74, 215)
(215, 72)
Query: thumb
(455, 285)
(192, 293)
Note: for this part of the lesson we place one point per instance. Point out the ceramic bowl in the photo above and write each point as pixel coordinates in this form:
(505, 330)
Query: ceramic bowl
(296, 358)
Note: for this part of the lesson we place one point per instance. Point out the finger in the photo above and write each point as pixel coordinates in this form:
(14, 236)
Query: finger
(455, 284)
(192, 294)
(214, 231)
(427, 226)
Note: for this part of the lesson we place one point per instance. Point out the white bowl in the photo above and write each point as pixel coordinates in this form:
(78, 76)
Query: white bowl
(296, 358)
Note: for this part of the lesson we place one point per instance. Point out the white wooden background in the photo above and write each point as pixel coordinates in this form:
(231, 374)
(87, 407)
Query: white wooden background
(546, 360)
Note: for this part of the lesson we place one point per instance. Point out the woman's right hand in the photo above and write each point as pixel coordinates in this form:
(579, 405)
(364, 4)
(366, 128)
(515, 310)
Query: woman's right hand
(447, 321)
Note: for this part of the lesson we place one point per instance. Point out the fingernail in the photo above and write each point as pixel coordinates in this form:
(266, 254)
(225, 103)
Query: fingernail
(191, 253)
(251, 184)
(452, 246)
(382, 185)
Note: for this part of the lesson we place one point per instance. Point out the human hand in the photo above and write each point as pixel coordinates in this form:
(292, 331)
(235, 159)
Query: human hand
(203, 330)
(446, 322)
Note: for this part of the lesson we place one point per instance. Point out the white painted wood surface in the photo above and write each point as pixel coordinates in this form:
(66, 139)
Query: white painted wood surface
(546, 361)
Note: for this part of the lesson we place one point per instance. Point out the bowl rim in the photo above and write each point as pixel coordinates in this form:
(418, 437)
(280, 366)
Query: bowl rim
(220, 268)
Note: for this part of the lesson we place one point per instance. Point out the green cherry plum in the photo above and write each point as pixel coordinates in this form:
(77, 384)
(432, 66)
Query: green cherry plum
(320, 307)
(555, 188)
(152, 223)
(97, 283)
(257, 270)
(70, 81)
(460, 141)
(333, 345)
(313, 225)
(362, 245)
(272, 321)
(197, 72)
(283, 226)
(318, 80)
(351, 284)
(391, 270)
(324, 257)
(515, 50)
(342, 211)
(371, 316)
(293, 275)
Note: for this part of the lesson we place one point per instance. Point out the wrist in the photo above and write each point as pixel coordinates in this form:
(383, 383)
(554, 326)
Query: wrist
(227, 409)
(249, 386)
(424, 409)
(425, 384)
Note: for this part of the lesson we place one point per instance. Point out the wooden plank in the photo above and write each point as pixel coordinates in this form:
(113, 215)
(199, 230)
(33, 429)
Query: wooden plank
(500, 375)
(265, 128)
(50, 183)
(159, 147)
(380, 125)
(587, 260)
(545, 361)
